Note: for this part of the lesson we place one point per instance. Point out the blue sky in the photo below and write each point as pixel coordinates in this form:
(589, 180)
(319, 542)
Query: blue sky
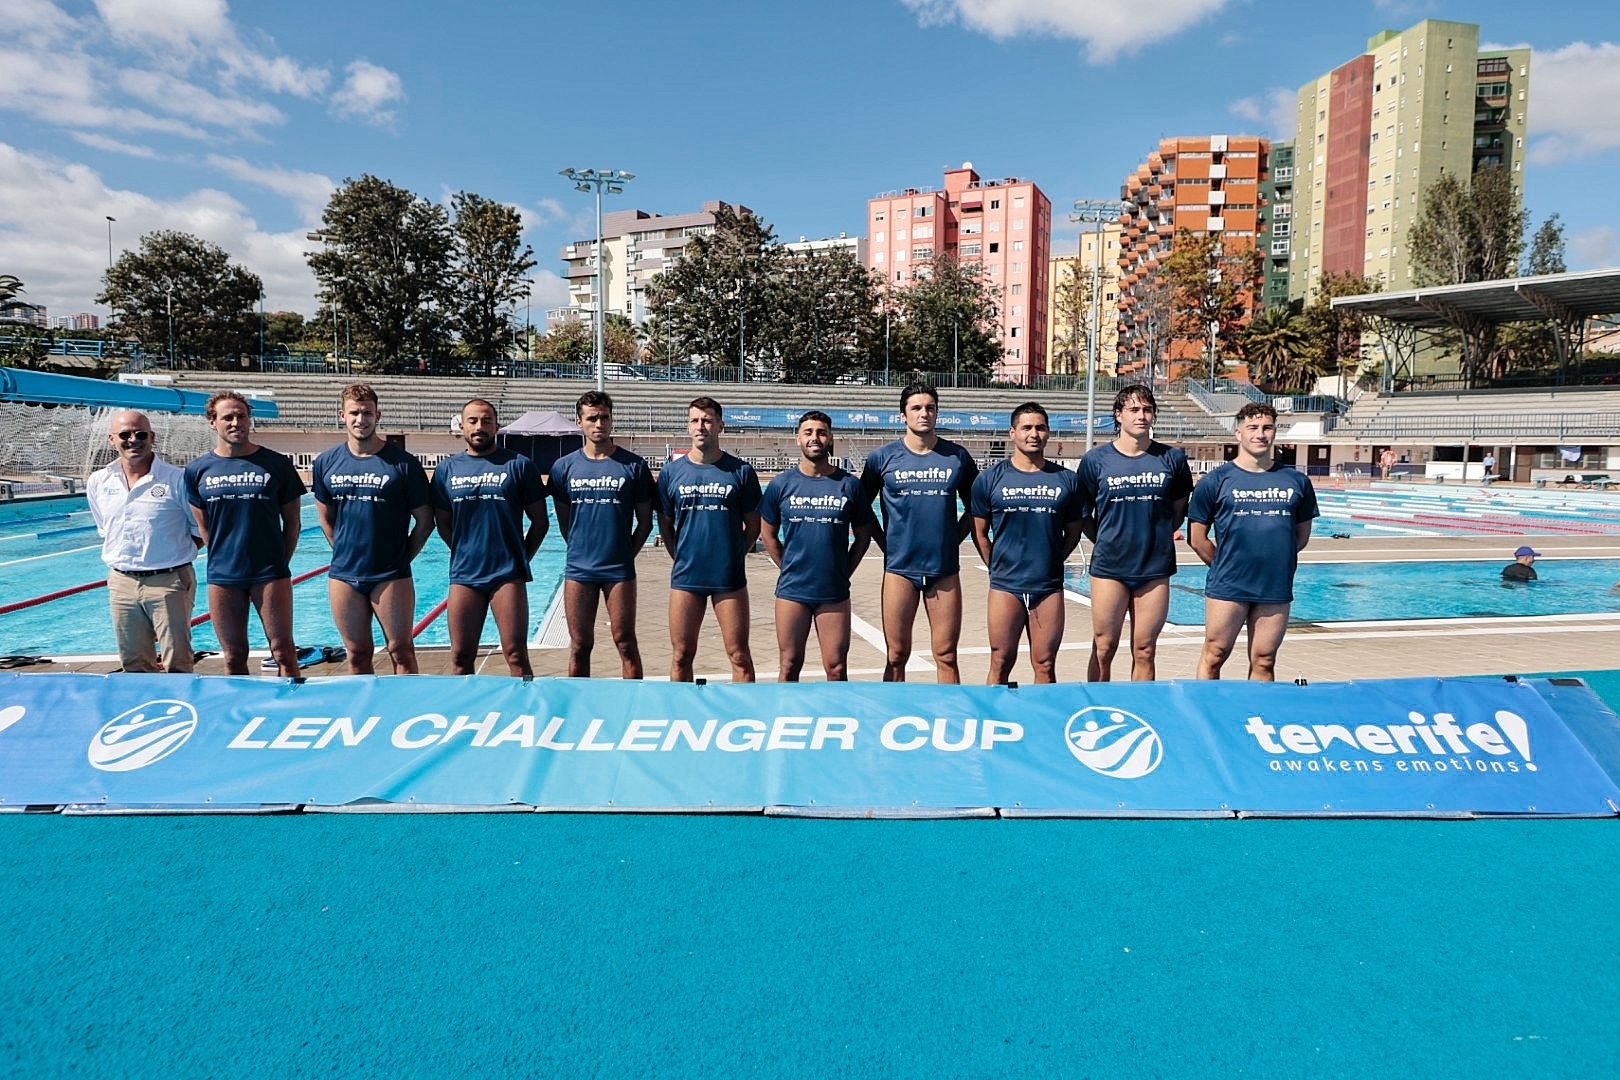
(235, 122)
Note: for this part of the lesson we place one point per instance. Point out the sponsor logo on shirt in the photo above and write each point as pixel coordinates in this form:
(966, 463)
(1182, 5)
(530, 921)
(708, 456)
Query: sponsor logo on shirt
(477, 479)
(935, 472)
(712, 488)
(1266, 494)
(1038, 491)
(595, 483)
(817, 502)
(365, 479)
(220, 481)
(1138, 479)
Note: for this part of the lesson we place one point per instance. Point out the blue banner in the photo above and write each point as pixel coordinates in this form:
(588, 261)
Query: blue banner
(1412, 745)
(949, 419)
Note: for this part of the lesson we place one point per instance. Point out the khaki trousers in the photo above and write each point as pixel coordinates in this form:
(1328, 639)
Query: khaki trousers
(152, 614)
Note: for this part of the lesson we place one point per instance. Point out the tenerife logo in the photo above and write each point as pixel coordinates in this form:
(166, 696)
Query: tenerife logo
(1114, 743)
(142, 736)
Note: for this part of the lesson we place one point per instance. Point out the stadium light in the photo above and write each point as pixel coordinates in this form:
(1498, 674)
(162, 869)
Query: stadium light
(1099, 212)
(598, 180)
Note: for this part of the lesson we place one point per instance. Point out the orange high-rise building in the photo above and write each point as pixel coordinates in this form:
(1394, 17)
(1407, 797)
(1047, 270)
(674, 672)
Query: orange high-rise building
(1003, 225)
(1206, 185)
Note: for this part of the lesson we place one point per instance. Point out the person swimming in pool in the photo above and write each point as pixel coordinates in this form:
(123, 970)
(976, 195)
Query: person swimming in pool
(1133, 494)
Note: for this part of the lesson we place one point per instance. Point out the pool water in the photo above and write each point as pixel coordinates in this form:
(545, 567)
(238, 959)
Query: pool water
(52, 544)
(1439, 510)
(1376, 591)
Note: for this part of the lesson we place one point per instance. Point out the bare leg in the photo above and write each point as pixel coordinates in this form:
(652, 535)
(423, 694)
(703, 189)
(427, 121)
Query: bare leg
(509, 603)
(943, 601)
(466, 614)
(1046, 620)
(1150, 606)
(227, 610)
(395, 604)
(792, 632)
(580, 600)
(1109, 602)
(900, 600)
(832, 634)
(1005, 617)
(351, 613)
(273, 599)
(1222, 621)
(621, 612)
(731, 612)
(685, 620)
(1267, 625)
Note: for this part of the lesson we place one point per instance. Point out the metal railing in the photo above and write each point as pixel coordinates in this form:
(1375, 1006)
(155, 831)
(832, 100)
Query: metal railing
(1420, 427)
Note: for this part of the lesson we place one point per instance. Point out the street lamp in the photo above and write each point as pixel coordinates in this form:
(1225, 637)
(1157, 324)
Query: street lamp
(956, 355)
(598, 180)
(168, 292)
(324, 239)
(110, 219)
(1099, 212)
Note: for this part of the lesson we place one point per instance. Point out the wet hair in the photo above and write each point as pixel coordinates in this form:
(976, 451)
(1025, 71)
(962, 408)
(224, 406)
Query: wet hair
(1254, 408)
(1134, 390)
(487, 404)
(359, 392)
(818, 416)
(225, 395)
(592, 399)
(707, 404)
(1028, 407)
(913, 389)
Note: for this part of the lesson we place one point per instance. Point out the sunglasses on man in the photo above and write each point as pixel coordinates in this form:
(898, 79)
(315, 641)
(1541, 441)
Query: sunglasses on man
(134, 436)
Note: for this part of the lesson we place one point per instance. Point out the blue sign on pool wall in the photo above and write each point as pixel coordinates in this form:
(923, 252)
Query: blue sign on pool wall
(1424, 746)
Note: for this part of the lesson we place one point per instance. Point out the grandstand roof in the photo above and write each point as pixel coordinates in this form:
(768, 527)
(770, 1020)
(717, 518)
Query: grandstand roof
(43, 387)
(1581, 294)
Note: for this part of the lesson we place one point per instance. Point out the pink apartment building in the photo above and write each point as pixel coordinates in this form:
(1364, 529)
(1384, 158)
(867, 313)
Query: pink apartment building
(1004, 225)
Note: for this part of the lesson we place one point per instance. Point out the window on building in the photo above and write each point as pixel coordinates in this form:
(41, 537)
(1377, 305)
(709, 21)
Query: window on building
(1018, 290)
(1018, 202)
(922, 232)
(1013, 331)
(972, 228)
(922, 253)
(900, 256)
(878, 256)
(1017, 310)
(879, 216)
(877, 237)
(994, 248)
(1018, 224)
(922, 211)
(995, 226)
(995, 204)
(1018, 245)
(971, 249)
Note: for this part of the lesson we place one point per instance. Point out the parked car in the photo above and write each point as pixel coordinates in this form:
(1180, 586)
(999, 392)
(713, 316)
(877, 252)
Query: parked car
(623, 373)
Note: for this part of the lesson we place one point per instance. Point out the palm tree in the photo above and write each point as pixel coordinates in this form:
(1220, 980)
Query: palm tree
(9, 287)
(1274, 344)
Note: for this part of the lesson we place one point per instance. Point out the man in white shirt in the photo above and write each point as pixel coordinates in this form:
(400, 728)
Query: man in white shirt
(149, 541)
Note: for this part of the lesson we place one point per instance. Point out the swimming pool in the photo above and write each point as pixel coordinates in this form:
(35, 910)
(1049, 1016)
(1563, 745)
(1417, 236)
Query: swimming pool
(52, 544)
(1377, 591)
(1437, 510)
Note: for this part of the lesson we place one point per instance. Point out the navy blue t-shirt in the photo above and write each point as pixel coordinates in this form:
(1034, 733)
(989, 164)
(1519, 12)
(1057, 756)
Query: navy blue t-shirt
(602, 496)
(1131, 499)
(372, 497)
(1252, 517)
(241, 500)
(1028, 512)
(486, 497)
(813, 516)
(707, 504)
(919, 497)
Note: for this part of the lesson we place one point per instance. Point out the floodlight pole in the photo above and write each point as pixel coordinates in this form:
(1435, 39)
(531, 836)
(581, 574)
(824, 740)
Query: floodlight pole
(588, 180)
(1100, 212)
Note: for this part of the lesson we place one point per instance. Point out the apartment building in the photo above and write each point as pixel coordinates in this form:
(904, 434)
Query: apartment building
(1276, 231)
(1004, 225)
(1376, 131)
(1066, 341)
(637, 246)
(1207, 185)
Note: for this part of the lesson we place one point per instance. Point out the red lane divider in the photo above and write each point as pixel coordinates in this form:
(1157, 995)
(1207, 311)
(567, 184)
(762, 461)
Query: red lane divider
(48, 597)
(300, 579)
(428, 619)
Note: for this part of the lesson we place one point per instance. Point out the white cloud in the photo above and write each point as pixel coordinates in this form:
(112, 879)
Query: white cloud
(182, 98)
(1276, 111)
(1597, 248)
(367, 92)
(115, 146)
(62, 88)
(53, 231)
(1572, 101)
(309, 191)
(1106, 27)
(550, 291)
(173, 23)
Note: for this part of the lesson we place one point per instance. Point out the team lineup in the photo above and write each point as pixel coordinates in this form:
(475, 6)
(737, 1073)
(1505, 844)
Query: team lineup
(1247, 518)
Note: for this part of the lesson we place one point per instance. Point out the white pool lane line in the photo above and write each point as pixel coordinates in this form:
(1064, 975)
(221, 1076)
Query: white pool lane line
(52, 555)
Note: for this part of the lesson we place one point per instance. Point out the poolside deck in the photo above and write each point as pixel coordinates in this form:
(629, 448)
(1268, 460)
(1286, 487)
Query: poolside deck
(1317, 652)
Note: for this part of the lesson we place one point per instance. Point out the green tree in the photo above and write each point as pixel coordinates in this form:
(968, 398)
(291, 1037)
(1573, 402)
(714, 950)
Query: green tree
(717, 298)
(1274, 345)
(386, 265)
(491, 260)
(1071, 319)
(1334, 337)
(10, 286)
(1547, 250)
(1467, 233)
(569, 342)
(211, 301)
(621, 344)
(949, 319)
(287, 328)
(821, 316)
(1210, 286)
